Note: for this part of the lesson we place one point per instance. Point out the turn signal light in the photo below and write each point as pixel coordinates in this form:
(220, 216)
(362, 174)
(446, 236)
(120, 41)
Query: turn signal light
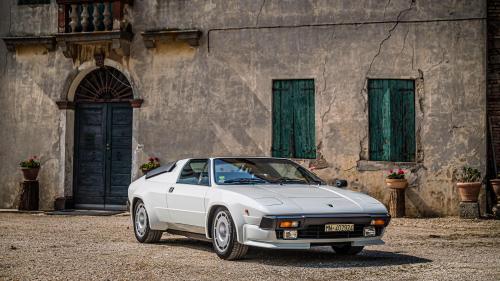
(378, 222)
(289, 224)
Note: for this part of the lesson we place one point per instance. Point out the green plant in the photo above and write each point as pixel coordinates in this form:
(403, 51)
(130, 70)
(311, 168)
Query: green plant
(396, 174)
(153, 163)
(30, 163)
(469, 174)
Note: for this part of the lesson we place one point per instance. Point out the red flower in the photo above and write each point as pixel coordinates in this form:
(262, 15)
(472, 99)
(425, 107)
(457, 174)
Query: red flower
(151, 159)
(391, 171)
(34, 157)
(401, 172)
(156, 159)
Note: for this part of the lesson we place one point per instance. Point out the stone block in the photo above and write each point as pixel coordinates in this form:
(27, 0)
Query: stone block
(496, 212)
(468, 210)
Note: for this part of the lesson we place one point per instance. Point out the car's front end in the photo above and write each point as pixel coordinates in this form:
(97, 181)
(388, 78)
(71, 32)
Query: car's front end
(304, 231)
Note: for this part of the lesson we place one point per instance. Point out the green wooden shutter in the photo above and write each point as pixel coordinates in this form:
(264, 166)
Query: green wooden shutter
(379, 120)
(403, 120)
(304, 125)
(282, 118)
(293, 119)
(391, 120)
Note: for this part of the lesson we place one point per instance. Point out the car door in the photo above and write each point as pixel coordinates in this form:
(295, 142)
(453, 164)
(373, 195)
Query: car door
(186, 198)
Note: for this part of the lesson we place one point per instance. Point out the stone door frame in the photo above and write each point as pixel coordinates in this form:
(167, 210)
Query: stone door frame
(67, 126)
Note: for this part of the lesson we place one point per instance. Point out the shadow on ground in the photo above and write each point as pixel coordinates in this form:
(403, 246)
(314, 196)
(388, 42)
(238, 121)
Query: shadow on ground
(317, 257)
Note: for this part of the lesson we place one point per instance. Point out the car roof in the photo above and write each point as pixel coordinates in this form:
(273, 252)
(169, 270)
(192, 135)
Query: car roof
(237, 157)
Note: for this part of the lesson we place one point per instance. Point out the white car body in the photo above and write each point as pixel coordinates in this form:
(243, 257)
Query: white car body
(187, 209)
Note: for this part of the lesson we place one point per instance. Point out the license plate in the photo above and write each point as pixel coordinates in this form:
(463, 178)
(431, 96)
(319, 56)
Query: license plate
(339, 227)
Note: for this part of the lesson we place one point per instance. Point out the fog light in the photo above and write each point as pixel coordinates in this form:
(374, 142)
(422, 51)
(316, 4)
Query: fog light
(289, 224)
(369, 231)
(290, 234)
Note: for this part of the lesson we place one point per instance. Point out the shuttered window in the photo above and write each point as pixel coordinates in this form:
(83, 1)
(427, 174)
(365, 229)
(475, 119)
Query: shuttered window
(293, 119)
(391, 120)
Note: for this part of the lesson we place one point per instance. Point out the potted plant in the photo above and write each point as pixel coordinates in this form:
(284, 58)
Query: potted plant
(153, 163)
(396, 179)
(30, 168)
(469, 184)
(495, 184)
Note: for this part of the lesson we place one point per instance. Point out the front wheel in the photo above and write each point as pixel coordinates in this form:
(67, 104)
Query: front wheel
(143, 233)
(347, 250)
(224, 236)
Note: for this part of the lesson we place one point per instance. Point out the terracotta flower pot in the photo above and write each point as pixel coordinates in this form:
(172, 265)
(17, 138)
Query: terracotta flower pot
(396, 183)
(495, 184)
(30, 174)
(469, 191)
(145, 171)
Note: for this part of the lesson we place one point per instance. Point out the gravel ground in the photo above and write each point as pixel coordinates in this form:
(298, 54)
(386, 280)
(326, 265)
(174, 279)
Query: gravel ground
(42, 247)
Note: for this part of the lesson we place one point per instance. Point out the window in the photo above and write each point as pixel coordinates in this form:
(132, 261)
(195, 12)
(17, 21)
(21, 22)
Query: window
(293, 119)
(32, 2)
(391, 107)
(238, 171)
(195, 172)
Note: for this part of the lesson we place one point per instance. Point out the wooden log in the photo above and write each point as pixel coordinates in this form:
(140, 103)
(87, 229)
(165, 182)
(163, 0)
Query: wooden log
(397, 202)
(29, 196)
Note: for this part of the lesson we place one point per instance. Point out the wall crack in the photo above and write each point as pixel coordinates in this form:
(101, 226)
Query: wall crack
(381, 44)
(323, 91)
(260, 11)
(389, 34)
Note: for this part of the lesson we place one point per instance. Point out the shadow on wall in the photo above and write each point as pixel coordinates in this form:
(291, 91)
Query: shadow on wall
(422, 207)
(317, 257)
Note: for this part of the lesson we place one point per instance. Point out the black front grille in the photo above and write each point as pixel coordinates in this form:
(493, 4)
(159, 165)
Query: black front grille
(318, 232)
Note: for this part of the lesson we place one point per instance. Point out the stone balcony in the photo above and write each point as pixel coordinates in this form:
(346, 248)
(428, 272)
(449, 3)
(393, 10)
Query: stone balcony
(100, 23)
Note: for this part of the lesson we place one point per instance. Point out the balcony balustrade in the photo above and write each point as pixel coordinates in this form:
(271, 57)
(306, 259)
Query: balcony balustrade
(93, 22)
(91, 15)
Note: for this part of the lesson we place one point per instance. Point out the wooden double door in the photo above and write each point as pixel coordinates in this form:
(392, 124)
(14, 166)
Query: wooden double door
(103, 155)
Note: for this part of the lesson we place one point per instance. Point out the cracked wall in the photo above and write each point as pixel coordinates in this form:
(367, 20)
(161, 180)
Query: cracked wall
(199, 102)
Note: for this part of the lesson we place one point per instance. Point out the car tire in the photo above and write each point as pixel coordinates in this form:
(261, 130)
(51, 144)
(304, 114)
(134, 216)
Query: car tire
(224, 237)
(347, 250)
(143, 233)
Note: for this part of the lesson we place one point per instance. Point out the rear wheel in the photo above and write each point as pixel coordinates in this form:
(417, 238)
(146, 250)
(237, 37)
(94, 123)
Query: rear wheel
(347, 250)
(143, 233)
(224, 236)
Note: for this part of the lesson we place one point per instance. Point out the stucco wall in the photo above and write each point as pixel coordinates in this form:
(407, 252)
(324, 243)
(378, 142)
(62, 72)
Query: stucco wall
(218, 102)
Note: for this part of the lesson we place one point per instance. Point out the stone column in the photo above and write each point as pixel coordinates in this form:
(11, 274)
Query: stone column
(67, 135)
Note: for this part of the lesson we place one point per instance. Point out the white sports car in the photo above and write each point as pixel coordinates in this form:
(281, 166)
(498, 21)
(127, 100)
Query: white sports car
(236, 202)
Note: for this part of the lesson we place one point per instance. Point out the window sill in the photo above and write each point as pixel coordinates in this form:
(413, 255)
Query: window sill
(366, 165)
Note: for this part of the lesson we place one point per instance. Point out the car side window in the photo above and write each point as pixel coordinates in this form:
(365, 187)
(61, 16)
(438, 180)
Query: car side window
(195, 172)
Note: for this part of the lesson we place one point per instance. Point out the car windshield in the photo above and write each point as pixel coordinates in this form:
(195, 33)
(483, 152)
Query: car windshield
(261, 171)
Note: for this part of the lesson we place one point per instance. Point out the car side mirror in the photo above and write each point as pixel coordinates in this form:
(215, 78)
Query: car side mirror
(340, 183)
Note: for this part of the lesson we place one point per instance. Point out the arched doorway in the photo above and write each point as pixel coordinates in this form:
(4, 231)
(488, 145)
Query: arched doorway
(103, 140)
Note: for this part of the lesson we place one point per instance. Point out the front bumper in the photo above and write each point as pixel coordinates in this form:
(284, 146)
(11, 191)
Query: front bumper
(311, 231)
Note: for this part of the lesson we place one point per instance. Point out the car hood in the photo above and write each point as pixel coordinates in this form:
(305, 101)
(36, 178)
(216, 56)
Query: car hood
(309, 199)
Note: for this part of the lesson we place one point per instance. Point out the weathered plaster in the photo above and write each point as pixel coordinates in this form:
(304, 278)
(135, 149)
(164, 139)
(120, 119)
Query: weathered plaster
(199, 103)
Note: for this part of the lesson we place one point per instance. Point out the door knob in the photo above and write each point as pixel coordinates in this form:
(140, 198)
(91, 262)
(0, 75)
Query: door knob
(108, 146)
(171, 189)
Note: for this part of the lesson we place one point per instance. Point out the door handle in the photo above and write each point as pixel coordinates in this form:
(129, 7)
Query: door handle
(170, 190)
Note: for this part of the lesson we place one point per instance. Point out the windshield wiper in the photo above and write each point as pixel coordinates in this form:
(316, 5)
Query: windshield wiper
(290, 180)
(244, 180)
(318, 182)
